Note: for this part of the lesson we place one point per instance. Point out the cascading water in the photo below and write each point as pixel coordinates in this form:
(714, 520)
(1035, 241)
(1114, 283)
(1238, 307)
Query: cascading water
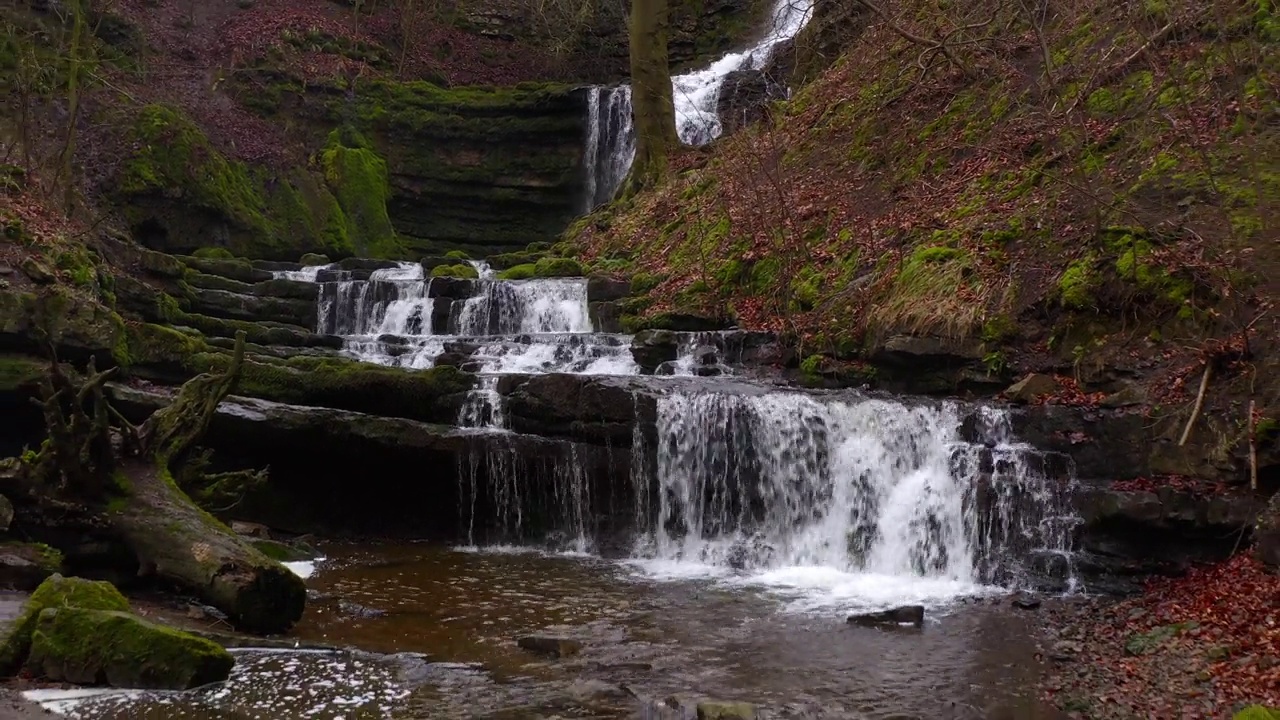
(858, 497)
(610, 142)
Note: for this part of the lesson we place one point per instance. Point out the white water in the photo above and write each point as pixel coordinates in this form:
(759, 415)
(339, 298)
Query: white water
(610, 144)
(842, 503)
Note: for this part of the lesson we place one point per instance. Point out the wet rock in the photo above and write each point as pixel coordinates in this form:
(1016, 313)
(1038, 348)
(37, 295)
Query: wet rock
(606, 289)
(313, 259)
(1266, 536)
(234, 268)
(606, 317)
(558, 647)
(6, 513)
(1031, 387)
(744, 94)
(1026, 602)
(358, 610)
(91, 647)
(452, 288)
(287, 289)
(905, 615)
(652, 348)
(725, 710)
(587, 408)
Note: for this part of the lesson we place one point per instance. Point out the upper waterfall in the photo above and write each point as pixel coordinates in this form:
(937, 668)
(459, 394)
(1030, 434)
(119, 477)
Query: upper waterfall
(610, 142)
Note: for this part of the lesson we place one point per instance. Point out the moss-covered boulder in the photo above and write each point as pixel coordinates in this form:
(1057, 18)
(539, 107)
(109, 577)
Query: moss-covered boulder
(96, 647)
(357, 175)
(313, 259)
(523, 271)
(56, 592)
(76, 322)
(557, 267)
(459, 270)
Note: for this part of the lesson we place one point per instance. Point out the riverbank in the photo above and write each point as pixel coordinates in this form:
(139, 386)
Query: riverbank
(1200, 646)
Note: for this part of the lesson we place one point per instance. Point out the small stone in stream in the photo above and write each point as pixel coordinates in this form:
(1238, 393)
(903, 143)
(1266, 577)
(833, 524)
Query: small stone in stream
(722, 710)
(1065, 650)
(1026, 602)
(905, 615)
(546, 645)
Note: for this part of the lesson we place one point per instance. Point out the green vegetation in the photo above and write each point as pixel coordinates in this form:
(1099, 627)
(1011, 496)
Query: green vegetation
(519, 272)
(461, 270)
(1078, 284)
(81, 644)
(1257, 712)
(1144, 643)
(557, 267)
(56, 592)
(357, 175)
(214, 253)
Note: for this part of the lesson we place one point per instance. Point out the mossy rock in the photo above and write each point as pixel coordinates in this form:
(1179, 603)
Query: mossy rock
(214, 253)
(159, 346)
(457, 255)
(519, 272)
(93, 647)
(258, 333)
(73, 320)
(313, 259)
(557, 267)
(160, 264)
(358, 177)
(56, 592)
(281, 552)
(460, 270)
(346, 385)
(233, 268)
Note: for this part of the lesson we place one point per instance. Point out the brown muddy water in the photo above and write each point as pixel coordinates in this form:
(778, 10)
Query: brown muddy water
(433, 635)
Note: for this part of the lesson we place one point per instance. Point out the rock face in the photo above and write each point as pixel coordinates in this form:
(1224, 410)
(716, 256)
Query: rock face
(744, 96)
(23, 566)
(906, 615)
(1031, 387)
(93, 647)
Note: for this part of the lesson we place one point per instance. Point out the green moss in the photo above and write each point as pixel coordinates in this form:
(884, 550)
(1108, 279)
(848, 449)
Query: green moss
(258, 333)
(461, 270)
(56, 592)
(358, 178)
(279, 551)
(1134, 264)
(87, 645)
(519, 272)
(1148, 642)
(557, 267)
(644, 282)
(457, 255)
(1078, 285)
(154, 345)
(214, 253)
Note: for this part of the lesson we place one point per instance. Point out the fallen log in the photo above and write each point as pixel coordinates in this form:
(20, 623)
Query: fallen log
(125, 474)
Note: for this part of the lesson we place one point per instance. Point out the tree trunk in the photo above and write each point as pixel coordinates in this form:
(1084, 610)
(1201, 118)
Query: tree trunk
(651, 100)
(183, 544)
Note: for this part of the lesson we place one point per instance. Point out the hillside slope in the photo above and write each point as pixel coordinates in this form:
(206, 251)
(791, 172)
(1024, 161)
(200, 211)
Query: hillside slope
(1087, 190)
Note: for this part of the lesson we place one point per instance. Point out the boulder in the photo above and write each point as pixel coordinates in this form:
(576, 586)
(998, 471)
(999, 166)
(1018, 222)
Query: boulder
(651, 348)
(23, 566)
(94, 647)
(1026, 602)
(313, 259)
(56, 592)
(906, 615)
(1031, 387)
(1266, 535)
(725, 710)
(590, 409)
(161, 265)
(606, 317)
(606, 289)
(558, 647)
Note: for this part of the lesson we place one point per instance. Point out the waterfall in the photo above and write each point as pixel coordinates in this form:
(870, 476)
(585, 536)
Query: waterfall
(554, 305)
(610, 145)
(610, 141)
(792, 483)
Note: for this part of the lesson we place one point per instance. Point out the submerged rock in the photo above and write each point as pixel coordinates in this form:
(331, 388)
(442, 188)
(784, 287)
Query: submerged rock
(1026, 602)
(549, 645)
(905, 615)
(92, 647)
(725, 710)
(56, 592)
(652, 348)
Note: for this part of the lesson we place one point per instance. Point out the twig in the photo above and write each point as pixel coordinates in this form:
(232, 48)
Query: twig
(1253, 449)
(1195, 411)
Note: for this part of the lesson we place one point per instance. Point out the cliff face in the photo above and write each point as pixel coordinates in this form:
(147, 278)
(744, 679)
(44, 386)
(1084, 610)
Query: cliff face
(460, 126)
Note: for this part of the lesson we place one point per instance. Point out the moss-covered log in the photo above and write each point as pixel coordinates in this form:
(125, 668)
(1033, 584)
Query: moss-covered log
(180, 542)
